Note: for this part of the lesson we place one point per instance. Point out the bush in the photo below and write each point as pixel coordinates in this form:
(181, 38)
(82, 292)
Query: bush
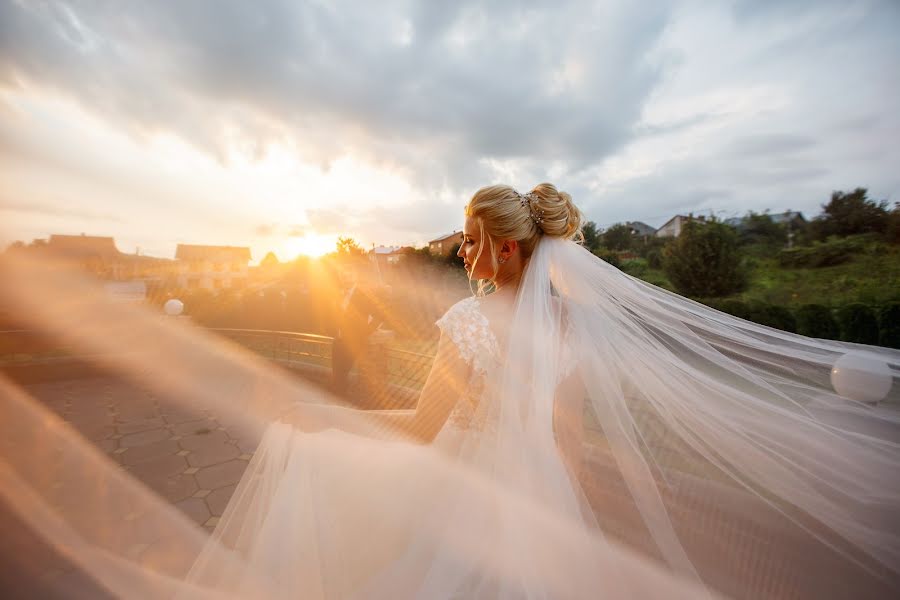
(772, 315)
(704, 260)
(735, 308)
(636, 267)
(889, 325)
(835, 251)
(815, 320)
(609, 256)
(858, 324)
(654, 258)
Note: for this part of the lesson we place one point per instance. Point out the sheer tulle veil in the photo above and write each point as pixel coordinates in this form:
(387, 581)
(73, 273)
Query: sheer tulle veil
(635, 444)
(711, 442)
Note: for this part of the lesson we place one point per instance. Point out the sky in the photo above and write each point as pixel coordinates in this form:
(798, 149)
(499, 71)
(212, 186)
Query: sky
(282, 124)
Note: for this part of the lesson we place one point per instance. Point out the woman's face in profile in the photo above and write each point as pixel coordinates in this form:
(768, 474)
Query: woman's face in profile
(469, 249)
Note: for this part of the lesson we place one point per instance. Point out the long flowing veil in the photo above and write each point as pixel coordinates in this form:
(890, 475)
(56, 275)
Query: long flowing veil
(716, 445)
(701, 455)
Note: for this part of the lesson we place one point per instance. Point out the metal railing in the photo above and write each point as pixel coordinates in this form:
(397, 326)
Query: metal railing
(402, 371)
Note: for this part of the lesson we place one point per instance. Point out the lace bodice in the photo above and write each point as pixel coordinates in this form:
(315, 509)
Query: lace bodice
(470, 331)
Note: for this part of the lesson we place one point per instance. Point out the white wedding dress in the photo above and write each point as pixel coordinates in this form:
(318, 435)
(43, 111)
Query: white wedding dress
(713, 459)
(613, 440)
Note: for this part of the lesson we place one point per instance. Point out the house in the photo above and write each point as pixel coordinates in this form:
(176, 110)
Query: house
(96, 254)
(211, 267)
(99, 256)
(640, 229)
(444, 245)
(673, 227)
(386, 255)
(792, 219)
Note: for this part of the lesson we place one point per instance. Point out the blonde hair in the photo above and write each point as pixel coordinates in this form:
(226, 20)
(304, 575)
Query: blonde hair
(503, 213)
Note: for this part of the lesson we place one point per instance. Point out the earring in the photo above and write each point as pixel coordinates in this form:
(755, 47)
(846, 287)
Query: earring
(501, 259)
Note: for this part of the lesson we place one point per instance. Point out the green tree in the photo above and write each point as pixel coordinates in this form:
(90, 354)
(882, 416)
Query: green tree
(704, 260)
(892, 229)
(760, 229)
(591, 235)
(850, 214)
(618, 237)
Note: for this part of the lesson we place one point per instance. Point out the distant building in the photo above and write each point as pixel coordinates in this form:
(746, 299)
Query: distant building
(387, 255)
(95, 254)
(211, 267)
(99, 256)
(790, 218)
(444, 244)
(640, 229)
(673, 227)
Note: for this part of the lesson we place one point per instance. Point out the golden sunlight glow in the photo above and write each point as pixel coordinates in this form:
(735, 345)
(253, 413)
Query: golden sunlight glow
(311, 244)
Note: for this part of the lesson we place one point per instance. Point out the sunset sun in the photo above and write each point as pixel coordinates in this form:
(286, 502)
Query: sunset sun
(311, 244)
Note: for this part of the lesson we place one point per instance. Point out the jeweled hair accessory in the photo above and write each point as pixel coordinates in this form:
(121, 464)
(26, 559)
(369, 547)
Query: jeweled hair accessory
(536, 215)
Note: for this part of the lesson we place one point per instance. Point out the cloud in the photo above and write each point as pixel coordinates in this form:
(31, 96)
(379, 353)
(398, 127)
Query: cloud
(637, 110)
(539, 81)
(37, 208)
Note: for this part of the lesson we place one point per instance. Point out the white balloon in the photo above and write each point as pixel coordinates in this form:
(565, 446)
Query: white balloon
(173, 307)
(862, 377)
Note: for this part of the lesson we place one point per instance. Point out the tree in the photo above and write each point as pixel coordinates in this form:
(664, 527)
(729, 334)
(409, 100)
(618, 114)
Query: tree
(761, 229)
(704, 260)
(618, 237)
(269, 261)
(892, 229)
(849, 214)
(591, 235)
(347, 246)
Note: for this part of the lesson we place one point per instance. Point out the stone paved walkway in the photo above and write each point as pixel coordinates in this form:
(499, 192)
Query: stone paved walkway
(189, 458)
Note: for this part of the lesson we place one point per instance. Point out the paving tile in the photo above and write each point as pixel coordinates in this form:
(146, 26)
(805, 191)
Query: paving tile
(176, 416)
(195, 508)
(144, 437)
(212, 454)
(203, 440)
(108, 446)
(247, 446)
(218, 499)
(212, 522)
(135, 411)
(135, 426)
(221, 475)
(145, 452)
(176, 488)
(201, 493)
(191, 427)
(95, 431)
(159, 468)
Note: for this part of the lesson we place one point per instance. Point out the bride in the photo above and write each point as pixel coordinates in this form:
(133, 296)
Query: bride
(581, 434)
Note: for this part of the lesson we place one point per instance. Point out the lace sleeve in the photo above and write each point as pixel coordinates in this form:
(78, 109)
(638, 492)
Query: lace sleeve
(468, 329)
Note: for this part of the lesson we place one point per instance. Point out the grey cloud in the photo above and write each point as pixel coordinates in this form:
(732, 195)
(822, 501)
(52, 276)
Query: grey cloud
(334, 77)
(769, 144)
